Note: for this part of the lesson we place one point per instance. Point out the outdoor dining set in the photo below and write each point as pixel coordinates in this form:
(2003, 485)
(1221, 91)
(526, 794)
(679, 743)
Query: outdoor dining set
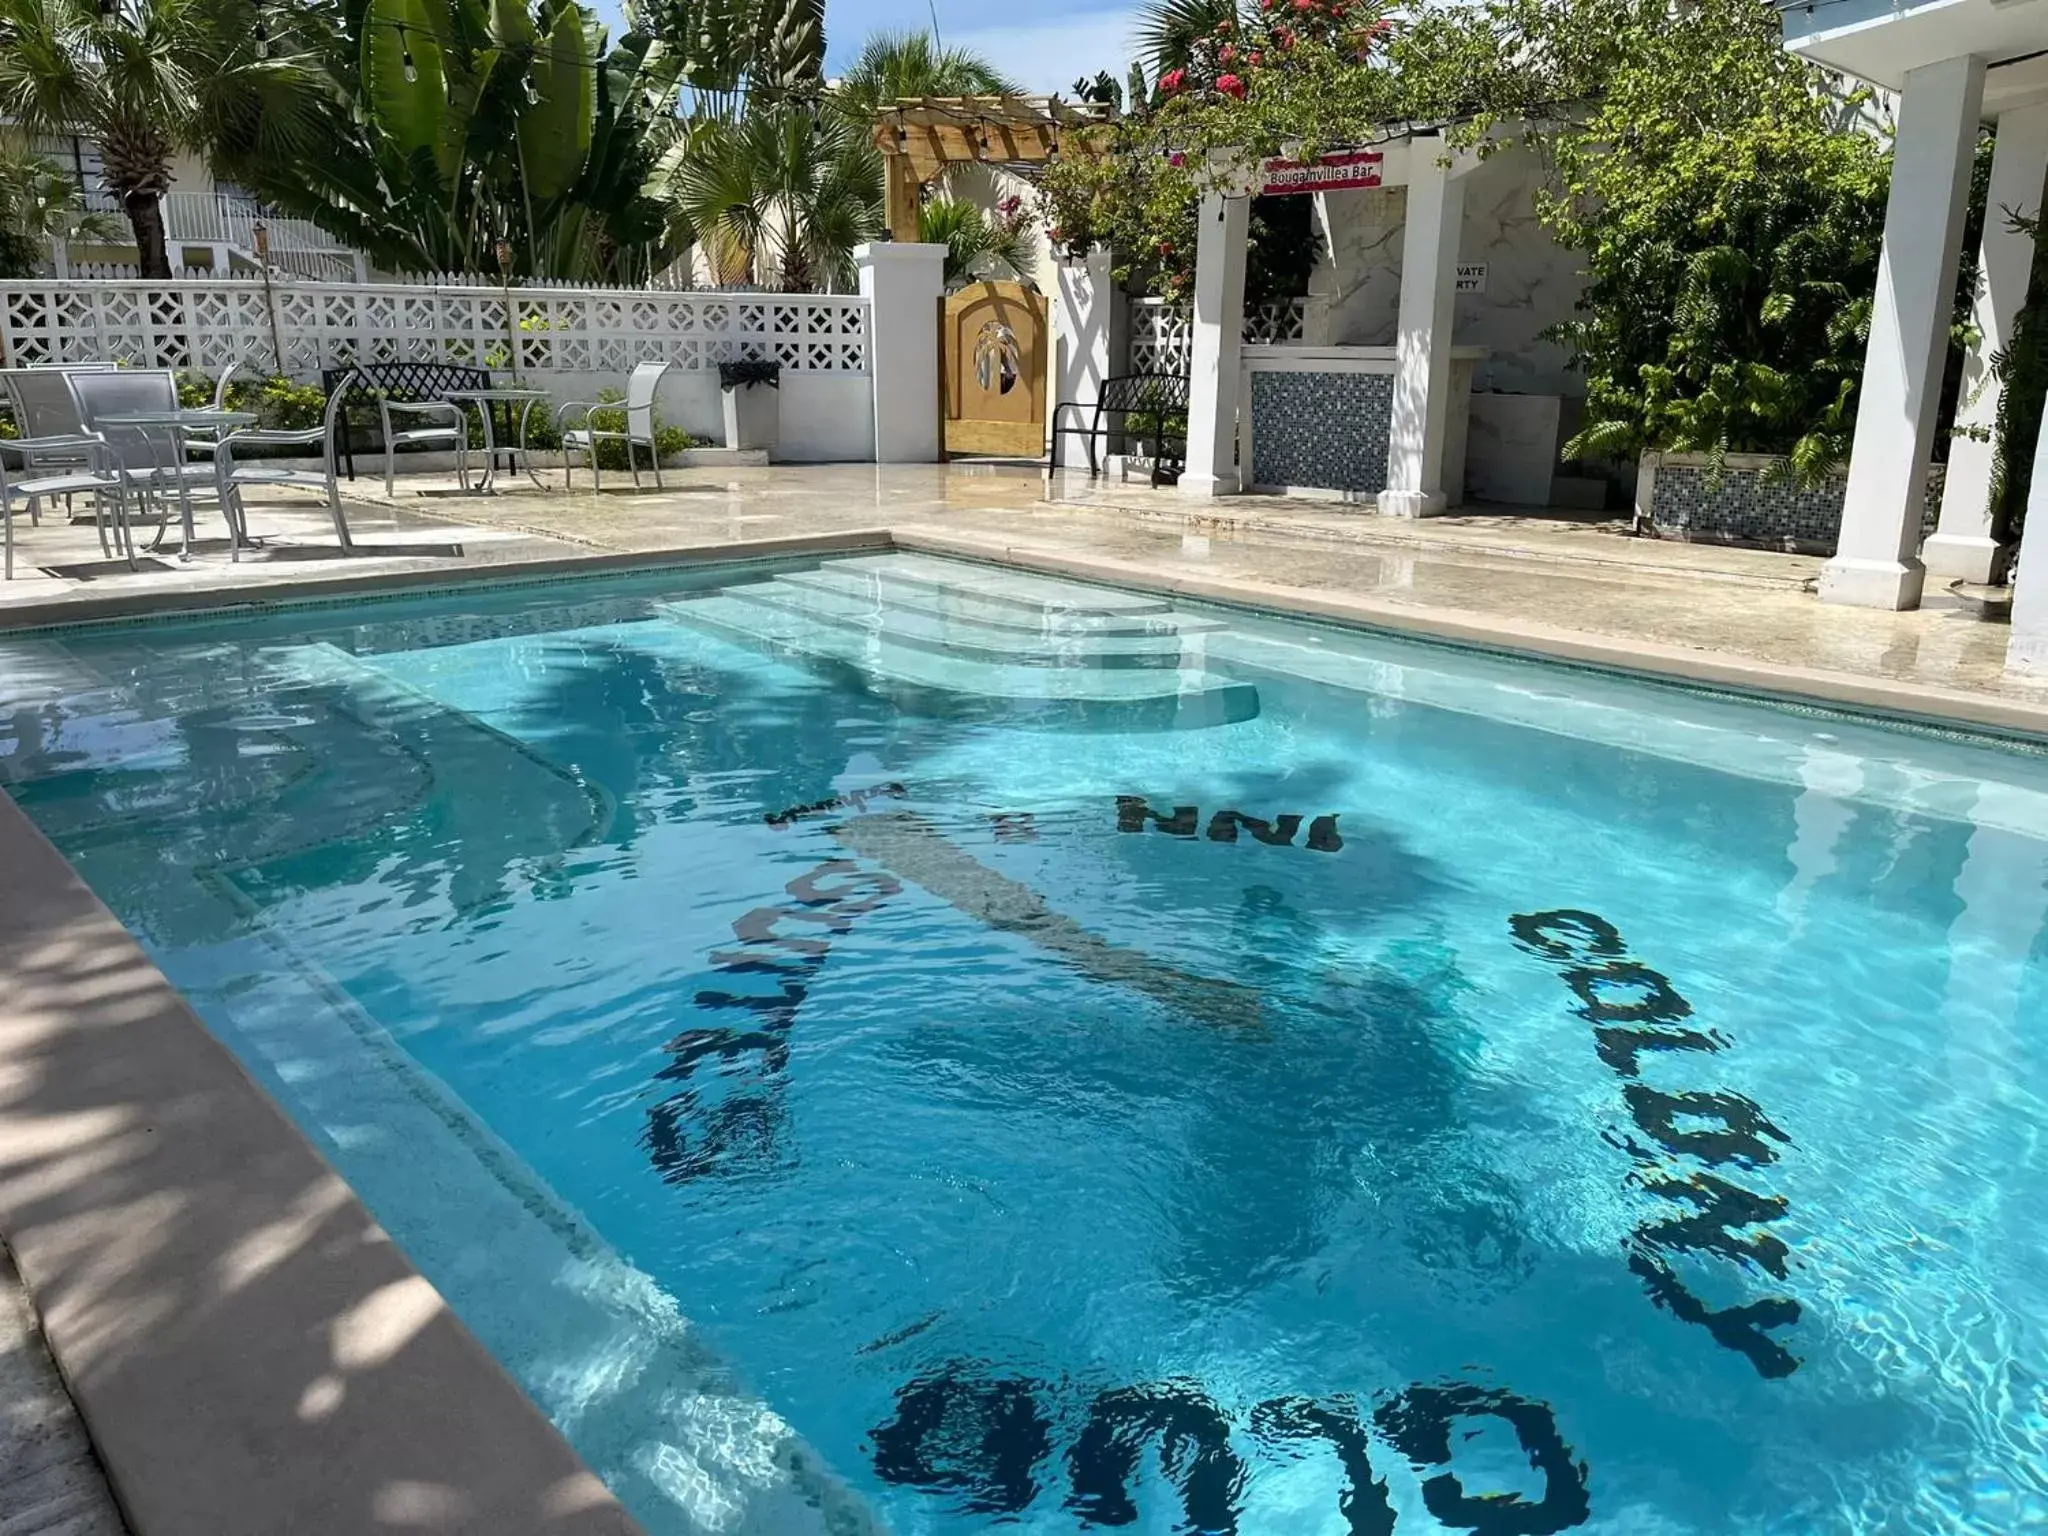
(120, 438)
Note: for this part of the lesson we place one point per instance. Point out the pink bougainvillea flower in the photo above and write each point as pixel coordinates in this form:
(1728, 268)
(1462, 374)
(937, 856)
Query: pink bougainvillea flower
(1228, 53)
(1223, 27)
(1230, 86)
(1253, 58)
(1173, 80)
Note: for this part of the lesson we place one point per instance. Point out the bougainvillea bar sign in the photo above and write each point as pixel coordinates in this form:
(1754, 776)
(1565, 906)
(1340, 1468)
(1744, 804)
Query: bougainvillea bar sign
(1356, 168)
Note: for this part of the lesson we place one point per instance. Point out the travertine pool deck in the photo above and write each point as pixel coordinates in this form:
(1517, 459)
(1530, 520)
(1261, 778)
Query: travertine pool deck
(1573, 588)
(251, 1353)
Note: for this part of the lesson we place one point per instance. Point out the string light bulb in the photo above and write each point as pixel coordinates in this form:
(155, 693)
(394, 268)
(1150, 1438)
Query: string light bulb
(410, 70)
(981, 138)
(262, 36)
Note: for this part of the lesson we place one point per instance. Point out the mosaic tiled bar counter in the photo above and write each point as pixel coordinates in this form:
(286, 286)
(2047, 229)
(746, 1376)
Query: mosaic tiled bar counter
(1313, 421)
(1749, 500)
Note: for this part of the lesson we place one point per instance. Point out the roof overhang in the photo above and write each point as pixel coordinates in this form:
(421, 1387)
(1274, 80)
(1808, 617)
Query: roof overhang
(1880, 42)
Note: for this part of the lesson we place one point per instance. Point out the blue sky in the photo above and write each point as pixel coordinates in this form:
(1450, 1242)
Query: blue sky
(1044, 44)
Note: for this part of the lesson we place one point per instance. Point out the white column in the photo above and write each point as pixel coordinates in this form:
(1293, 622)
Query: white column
(1218, 336)
(1090, 334)
(903, 285)
(1422, 367)
(1962, 545)
(2026, 653)
(1876, 562)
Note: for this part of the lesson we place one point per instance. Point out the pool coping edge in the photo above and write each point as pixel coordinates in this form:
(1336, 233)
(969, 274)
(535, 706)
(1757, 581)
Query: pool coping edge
(1656, 661)
(248, 1350)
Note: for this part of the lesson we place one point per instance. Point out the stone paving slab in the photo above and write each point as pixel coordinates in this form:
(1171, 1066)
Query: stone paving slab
(50, 1481)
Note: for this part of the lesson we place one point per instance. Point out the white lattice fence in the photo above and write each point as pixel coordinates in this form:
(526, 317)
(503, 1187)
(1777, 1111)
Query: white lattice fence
(1161, 335)
(208, 325)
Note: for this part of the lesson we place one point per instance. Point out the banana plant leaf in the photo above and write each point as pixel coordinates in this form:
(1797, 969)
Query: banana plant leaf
(554, 129)
(410, 113)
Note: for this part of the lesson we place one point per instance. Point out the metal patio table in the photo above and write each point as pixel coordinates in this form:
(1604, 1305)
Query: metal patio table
(516, 453)
(174, 425)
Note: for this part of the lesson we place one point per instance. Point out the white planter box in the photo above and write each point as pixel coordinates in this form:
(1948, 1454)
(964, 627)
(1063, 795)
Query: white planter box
(753, 415)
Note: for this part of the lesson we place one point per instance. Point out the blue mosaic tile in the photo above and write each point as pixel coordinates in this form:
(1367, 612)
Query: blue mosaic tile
(1743, 507)
(1321, 429)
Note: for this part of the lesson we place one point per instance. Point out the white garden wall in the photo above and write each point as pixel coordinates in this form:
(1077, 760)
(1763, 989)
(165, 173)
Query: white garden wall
(571, 342)
(1531, 281)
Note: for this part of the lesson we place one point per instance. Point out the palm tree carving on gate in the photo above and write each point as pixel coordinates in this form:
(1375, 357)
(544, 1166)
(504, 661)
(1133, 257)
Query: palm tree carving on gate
(998, 360)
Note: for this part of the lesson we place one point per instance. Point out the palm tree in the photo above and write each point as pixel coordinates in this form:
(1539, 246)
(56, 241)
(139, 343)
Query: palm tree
(148, 78)
(39, 200)
(896, 65)
(1167, 30)
(976, 242)
(737, 53)
(780, 198)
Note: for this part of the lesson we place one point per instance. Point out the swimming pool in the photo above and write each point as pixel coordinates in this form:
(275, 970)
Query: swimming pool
(899, 1045)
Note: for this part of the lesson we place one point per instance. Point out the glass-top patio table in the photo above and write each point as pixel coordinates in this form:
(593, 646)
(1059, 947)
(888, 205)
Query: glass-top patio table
(175, 425)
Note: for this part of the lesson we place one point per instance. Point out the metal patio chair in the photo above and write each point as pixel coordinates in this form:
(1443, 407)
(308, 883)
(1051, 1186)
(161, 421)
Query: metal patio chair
(639, 409)
(148, 458)
(231, 478)
(83, 466)
(203, 441)
(45, 409)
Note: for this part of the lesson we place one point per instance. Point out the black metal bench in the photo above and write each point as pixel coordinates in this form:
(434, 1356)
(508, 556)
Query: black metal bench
(1125, 405)
(395, 381)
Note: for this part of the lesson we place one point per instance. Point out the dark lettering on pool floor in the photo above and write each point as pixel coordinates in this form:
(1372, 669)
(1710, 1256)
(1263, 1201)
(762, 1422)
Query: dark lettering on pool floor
(692, 1133)
(982, 1437)
(1134, 811)
(1635, 1011)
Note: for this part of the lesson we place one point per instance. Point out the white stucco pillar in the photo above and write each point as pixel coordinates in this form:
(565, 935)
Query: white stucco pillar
(2026, 653)
(1090, 336)
(1422, 366)
(1876, 562)
(1962, 545)
(903, 285)
(1217, 338)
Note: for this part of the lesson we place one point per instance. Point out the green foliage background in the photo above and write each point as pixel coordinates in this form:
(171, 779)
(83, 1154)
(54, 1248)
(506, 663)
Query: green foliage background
(1726, 199)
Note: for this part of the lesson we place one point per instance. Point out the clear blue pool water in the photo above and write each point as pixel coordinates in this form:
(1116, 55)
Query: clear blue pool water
(892, 1046)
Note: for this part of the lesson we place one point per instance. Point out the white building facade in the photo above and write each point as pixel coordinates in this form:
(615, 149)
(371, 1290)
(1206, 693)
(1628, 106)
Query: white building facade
(1955, 65)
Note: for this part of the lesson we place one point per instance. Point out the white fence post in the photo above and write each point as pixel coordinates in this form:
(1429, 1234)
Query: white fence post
(904, 283)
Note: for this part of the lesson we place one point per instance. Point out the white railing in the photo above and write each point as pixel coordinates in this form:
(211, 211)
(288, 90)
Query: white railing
(1161, 334)
(311, 326)
(212, 216)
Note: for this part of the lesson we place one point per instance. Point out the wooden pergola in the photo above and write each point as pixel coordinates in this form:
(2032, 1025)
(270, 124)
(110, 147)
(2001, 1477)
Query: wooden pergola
(919, 136)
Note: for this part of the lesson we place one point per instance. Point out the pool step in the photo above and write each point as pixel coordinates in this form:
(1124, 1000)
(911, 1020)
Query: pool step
(967, 638)
(1015, 588)
(1052, 616)
(1084, 697)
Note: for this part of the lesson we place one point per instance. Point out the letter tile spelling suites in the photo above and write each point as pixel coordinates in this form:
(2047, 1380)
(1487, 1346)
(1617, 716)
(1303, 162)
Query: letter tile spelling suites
(1634, 1009)
(735, 1119)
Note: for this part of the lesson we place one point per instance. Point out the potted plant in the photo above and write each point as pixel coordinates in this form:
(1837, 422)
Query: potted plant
(752, 389)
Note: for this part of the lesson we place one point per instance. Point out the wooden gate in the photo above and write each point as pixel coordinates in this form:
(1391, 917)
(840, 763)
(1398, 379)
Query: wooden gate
(992, 337)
